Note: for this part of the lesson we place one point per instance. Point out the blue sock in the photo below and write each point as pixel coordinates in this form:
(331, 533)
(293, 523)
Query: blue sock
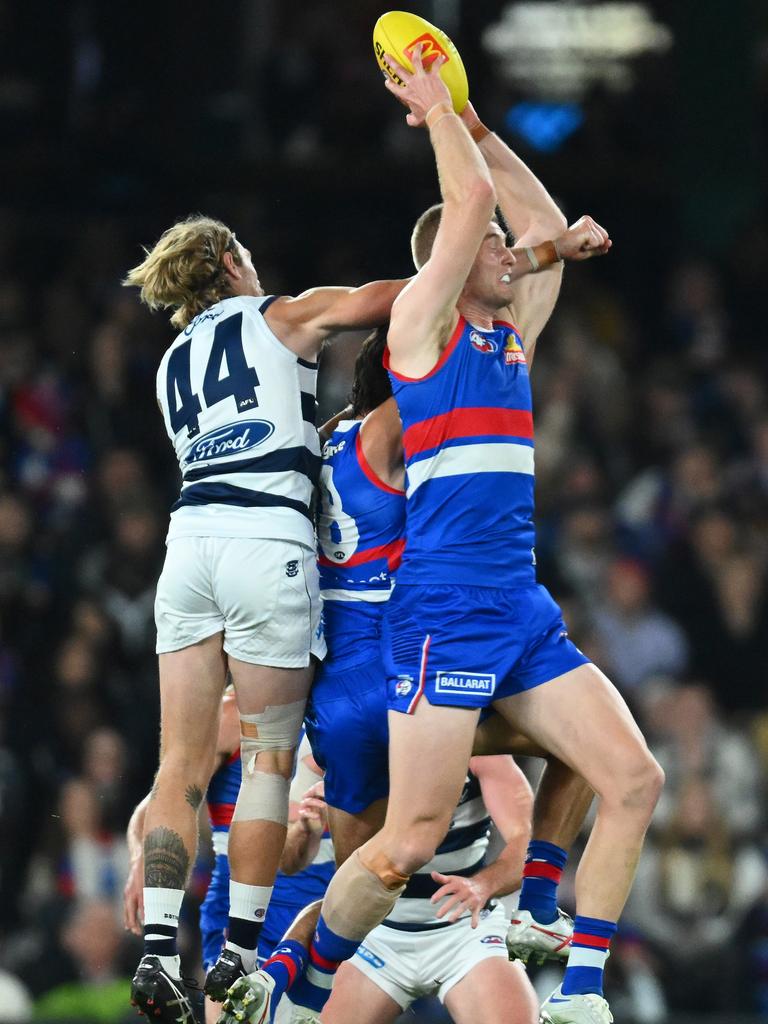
(543, 870)
(326, 952)
(285, 966)
(586, 960)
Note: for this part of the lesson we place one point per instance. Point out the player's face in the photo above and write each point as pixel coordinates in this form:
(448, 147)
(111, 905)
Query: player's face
(249, 283)
(494, 271)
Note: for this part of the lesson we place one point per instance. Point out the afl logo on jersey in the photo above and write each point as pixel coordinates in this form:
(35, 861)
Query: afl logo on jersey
(482, 344)
(513, 349)
(239, 437)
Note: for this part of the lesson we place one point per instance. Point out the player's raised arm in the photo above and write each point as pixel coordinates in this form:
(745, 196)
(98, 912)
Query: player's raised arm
(538, 226)
(424, 314)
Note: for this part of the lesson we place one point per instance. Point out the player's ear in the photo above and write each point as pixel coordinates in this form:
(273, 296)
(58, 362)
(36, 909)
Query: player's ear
(231, 266)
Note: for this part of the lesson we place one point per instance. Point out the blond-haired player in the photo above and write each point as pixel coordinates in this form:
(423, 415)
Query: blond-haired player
(239, 589)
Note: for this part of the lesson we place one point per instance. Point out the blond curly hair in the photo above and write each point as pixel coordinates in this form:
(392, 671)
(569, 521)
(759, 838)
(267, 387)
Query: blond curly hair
(185, 271)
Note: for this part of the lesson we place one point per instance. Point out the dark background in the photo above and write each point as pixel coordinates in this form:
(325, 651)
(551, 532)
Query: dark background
(651, 392)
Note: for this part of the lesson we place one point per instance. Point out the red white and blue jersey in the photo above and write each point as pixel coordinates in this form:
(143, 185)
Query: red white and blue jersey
(468, 442)
(361, 531)
(360, 524)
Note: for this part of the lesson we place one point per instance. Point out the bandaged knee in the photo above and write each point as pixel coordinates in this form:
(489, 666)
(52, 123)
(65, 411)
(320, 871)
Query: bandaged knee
(263, 795)
(361, 896)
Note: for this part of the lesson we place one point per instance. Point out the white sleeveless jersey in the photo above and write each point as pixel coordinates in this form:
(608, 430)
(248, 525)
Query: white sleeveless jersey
(239, 408)
(462, 852)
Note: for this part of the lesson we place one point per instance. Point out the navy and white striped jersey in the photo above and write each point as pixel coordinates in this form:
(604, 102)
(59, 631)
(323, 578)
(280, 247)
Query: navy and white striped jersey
(462, 852)
(239, 408)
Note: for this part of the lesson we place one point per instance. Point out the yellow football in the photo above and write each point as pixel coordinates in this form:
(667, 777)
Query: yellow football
(398, 32)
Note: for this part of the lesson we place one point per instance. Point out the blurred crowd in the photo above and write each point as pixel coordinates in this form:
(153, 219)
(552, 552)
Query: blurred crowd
(651, 396)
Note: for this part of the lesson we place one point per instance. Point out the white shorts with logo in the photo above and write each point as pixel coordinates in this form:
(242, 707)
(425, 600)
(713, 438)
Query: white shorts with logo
(263, 595)
(409, 965)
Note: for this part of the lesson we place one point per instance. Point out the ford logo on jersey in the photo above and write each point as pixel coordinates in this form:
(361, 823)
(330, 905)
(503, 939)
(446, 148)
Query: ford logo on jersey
(239, 437)
(482, 344)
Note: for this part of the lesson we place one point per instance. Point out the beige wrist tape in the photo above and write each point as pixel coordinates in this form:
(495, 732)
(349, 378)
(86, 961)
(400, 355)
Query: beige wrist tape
(437, 113)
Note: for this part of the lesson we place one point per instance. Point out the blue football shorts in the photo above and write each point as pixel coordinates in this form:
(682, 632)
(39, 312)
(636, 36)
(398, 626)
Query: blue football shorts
(346, 721)
(466, 646)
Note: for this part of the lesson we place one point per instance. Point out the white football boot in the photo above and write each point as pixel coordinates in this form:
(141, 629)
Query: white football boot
(576, 1009)
(531, 942)
(248, 1000)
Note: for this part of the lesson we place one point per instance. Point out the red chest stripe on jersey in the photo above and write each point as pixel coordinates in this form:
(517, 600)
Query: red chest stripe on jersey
(221, 814)
(393, 552)
(458, 423)
(234, 756)
(452, 343)
(374, 478)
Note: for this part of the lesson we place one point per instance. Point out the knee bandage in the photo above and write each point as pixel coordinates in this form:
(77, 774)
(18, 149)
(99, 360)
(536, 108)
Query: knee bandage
(361, 895)
(264, 795)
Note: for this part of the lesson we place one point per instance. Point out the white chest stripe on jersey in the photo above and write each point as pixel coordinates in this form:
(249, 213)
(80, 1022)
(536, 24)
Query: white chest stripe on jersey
(470, 459)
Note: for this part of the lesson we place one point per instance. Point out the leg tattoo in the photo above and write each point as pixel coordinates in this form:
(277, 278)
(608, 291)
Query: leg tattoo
(166, 860)
(194, 797)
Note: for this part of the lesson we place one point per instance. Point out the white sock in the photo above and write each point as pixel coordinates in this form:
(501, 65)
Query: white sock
(247, 904)
(162, 907)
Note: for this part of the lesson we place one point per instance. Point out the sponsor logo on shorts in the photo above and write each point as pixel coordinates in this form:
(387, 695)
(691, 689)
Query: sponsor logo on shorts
(465, 682)
(404, 685)
(232, 440)
(292, 567)
(482, 344)
(493, 940)
(370, 957)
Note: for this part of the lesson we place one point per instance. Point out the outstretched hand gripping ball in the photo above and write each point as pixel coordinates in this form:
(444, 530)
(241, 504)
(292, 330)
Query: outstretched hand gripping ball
(399, 32)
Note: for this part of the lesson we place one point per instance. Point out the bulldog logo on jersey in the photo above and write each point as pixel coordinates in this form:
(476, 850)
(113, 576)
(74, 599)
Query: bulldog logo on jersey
(513, 349)
(482, 344)
(431, 49)
(404, 685)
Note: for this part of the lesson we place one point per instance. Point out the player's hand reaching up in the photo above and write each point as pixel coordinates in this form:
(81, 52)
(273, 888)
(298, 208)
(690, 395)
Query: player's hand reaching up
(423, 88)
(583, 240)
(457, 895)
(313, 809)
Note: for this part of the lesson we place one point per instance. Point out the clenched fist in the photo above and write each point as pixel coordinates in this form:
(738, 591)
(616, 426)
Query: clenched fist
(583, 240)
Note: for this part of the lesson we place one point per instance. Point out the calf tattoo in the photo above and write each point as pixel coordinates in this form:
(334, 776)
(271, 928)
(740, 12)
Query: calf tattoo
(166, 860)
(194, 797)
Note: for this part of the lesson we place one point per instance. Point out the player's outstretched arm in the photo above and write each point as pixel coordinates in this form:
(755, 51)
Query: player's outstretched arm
(535, 220)
(509, 800)
(536, 292)
(424, 314)
(531, 213)
(303, 323)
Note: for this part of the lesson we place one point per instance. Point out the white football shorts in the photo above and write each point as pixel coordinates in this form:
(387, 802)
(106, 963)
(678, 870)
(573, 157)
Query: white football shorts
(264, 596)
(409, 965)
